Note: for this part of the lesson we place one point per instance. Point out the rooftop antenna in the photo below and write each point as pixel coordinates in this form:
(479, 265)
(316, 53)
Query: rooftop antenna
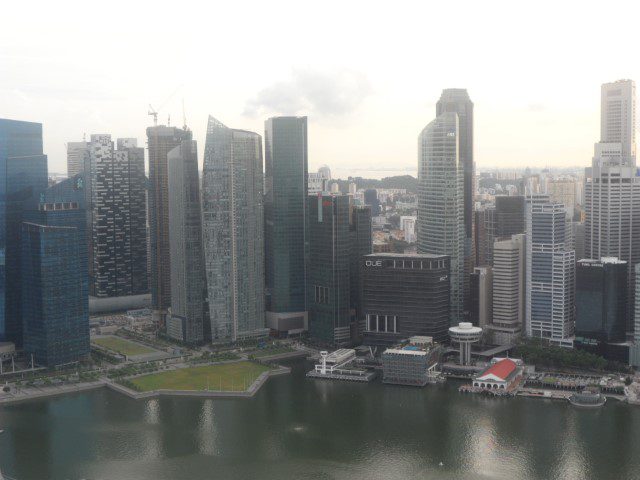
(84, 137)
(169, 120)
(184, 117)
(155, 115)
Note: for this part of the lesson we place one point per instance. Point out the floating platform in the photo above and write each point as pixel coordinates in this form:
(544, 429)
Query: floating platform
(366, 376)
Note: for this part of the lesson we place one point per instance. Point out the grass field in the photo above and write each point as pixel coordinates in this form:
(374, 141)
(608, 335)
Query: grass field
(228, 377)
(120, 345)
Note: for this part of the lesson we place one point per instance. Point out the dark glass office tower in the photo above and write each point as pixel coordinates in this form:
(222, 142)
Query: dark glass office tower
(23, 175)
(601, 300)
(56, 326)
(119, 254)
(371, 199)
(160, 140)
(188, 285)
(509, 216)
(404, 295)
(285, 223)
(328, 284)
(361, 244)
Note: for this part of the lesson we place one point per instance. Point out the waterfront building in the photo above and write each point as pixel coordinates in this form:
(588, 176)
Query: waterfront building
(361, 244)
(118, 218)
(23, 175)
(612, 186)
(160, 140)
(318, 182)
(188, 286)
(55, 317)
(601, 301)
(77, 157)
(328, 283)
(404, 295)
(498, 376)
(285, 222)
(441, 226)
(411, 363)
(233, 232)
(465, 334)
(481, 296)
(371, 199)
(550, 275)
(508, 290)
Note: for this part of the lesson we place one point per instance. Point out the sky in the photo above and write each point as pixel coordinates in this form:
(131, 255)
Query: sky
(367, 74)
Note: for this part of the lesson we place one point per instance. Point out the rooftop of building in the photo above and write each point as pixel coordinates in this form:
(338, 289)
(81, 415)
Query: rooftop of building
(501, 370)
(418, 345)
(603, 260)
(406, 255)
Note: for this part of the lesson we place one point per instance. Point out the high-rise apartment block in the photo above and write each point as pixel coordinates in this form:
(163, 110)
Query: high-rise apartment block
(233, 232)
(188, 286)
(118, 213)
(285, 222)
(441, 226)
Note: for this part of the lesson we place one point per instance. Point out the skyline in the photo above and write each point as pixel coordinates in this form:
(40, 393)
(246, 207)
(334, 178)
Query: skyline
(368, 88)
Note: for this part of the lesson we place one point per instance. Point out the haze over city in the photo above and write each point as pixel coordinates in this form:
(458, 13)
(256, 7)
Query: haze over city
(367, 75)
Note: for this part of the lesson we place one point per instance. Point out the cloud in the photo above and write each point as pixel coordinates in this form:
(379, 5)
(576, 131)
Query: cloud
(311, 92)
(536, 107)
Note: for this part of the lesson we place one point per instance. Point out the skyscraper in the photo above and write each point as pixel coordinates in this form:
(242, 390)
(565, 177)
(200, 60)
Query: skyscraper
(233, 232)
(160, 140)
(481, 296)
(612, 184)
(188, 285)
(23, 175)
(285, 222)
(509, 216)
(508, 290)
(328, 284)
(77, 157)
(441, 228)
(550, 273)
(601, 300)
(361, 244)
(54, 295)
(456, 100)
(119, 253)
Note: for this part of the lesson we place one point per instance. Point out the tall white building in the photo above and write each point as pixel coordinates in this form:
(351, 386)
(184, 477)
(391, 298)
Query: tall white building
(550, 274)
(318, 182)
(508, 289)
(612, 184)
(77, 157)
(441, 229)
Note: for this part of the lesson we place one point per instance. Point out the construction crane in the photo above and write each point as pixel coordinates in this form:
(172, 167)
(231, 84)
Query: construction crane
(153, 112)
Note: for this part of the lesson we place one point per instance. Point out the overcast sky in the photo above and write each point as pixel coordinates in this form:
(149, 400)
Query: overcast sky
(367, 74)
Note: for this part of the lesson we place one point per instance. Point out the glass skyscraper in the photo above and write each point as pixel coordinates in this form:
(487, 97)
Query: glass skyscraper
(188, 286)
(328, 284)
(23, 175)
(441, 201)
(233, 232)
(285, 217)
(54, 295)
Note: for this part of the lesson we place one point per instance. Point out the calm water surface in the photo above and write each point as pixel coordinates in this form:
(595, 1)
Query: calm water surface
(313, 429)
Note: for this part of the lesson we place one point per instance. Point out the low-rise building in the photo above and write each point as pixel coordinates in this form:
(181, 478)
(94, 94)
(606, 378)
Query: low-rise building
(498, 376)
(412, 363)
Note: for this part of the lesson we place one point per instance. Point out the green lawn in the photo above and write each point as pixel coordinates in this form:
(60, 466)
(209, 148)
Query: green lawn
(120, 345)
(229, 377)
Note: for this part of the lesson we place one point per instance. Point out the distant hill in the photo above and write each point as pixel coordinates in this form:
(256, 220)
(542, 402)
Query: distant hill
(408, 182)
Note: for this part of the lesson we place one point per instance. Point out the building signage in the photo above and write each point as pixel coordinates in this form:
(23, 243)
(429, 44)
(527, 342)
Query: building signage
(373, 263)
